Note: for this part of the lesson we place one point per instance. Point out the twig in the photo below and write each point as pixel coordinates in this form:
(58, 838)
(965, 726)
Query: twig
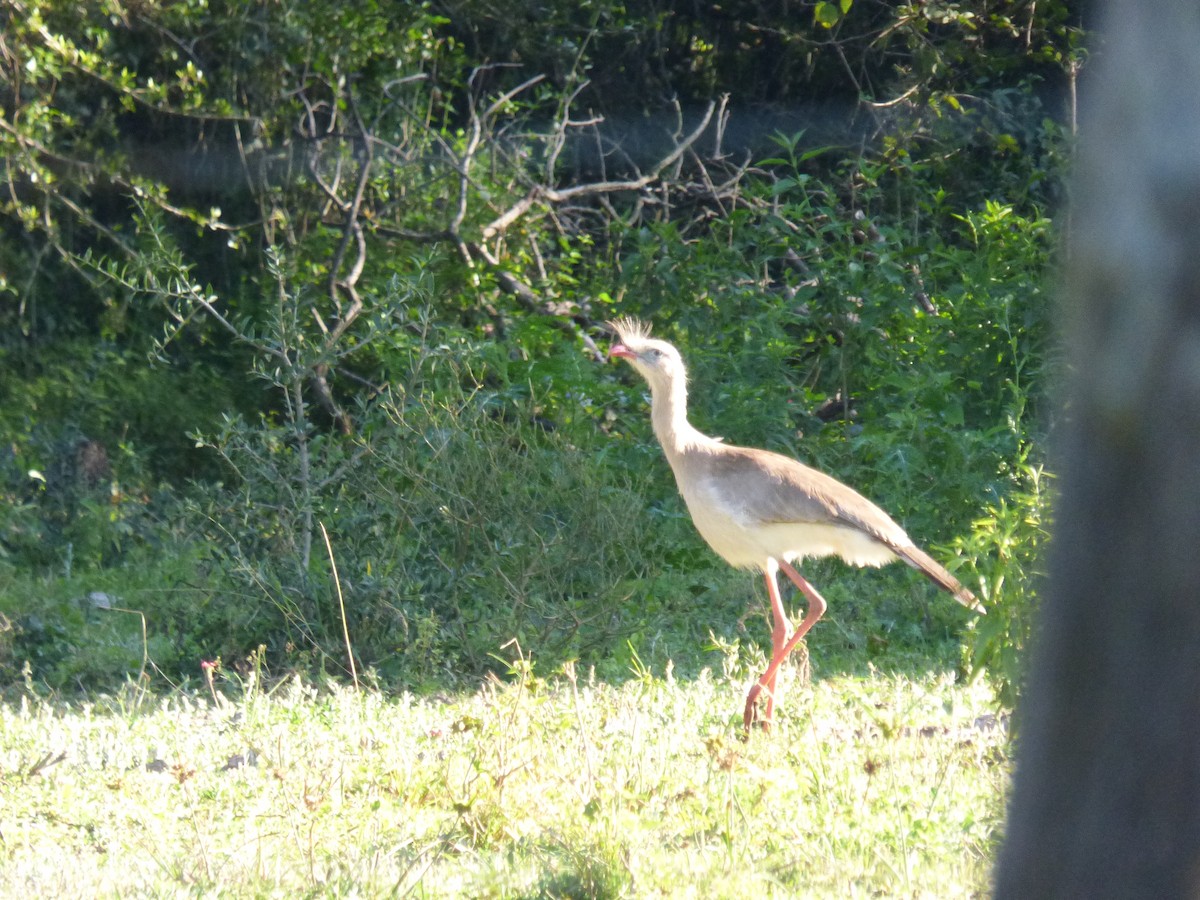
(554, 195)
(145, 643)
(50, 759)
(337, 582)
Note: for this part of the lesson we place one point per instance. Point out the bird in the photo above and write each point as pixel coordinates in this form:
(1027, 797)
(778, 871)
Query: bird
(762, 510)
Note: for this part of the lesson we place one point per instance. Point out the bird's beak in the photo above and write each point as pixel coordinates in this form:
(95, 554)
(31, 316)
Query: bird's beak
(622, 351)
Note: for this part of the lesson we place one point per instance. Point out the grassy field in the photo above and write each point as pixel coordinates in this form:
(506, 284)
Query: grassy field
(875, 785)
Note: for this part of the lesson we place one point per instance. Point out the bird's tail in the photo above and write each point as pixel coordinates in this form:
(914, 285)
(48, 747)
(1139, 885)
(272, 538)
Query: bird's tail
(936, 572)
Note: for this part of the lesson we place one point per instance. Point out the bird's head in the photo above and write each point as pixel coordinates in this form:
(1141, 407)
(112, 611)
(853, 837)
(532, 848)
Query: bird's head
(656, 361)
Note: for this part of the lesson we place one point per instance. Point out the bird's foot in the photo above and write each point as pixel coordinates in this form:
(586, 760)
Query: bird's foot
(750, 717)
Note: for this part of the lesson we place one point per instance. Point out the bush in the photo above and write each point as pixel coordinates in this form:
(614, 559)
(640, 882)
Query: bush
(459, 521)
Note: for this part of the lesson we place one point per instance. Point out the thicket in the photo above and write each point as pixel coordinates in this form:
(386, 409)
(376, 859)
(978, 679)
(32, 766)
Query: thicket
(278, 273)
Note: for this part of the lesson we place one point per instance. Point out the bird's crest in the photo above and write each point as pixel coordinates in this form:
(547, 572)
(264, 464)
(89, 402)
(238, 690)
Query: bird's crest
(630, 329)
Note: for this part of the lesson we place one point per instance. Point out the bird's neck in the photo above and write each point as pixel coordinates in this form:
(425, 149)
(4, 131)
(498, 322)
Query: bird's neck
(668, 415)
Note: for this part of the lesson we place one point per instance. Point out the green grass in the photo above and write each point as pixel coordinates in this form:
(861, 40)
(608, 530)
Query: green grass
(875, 785)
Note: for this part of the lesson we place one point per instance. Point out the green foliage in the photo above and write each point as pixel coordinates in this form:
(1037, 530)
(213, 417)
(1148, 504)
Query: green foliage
(771, 54)
(293, 266)
(934, 336)
(457, 525)
(827, 15)
(82, 628)
(1007, 547)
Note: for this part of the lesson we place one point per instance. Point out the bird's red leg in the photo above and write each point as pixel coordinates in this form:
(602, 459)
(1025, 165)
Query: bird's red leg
(816, 609)
(779, 635)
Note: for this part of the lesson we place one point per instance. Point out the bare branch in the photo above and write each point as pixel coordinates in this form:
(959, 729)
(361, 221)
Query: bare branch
(504, 98)
(352, 229)
(555, 195)
(604, 187)
(339, 285)
(559, 139)
(512, 214)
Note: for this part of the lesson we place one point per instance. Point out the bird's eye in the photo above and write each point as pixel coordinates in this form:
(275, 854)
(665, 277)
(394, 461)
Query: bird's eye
(655, 352)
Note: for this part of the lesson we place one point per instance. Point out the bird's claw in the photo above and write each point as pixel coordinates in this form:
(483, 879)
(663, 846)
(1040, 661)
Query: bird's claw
(750, 717)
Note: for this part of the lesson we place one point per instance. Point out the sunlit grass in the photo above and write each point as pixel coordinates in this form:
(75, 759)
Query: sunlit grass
(563, 787)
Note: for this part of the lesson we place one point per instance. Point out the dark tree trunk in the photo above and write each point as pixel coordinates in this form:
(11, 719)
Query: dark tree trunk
(1106, 801)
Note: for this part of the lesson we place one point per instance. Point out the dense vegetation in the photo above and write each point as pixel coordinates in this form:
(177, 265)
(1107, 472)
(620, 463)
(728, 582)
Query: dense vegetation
(285, 287)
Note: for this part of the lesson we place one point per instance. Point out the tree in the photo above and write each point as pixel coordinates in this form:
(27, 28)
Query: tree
(1106, 801)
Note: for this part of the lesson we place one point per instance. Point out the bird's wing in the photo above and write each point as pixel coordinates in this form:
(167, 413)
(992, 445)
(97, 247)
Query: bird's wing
(767, 488)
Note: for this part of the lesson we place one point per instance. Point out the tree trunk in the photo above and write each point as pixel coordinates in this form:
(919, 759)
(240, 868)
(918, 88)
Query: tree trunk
(1106, 799)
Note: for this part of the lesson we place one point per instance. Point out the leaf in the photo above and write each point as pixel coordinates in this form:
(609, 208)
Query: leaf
(829, 14)
(817, 151)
